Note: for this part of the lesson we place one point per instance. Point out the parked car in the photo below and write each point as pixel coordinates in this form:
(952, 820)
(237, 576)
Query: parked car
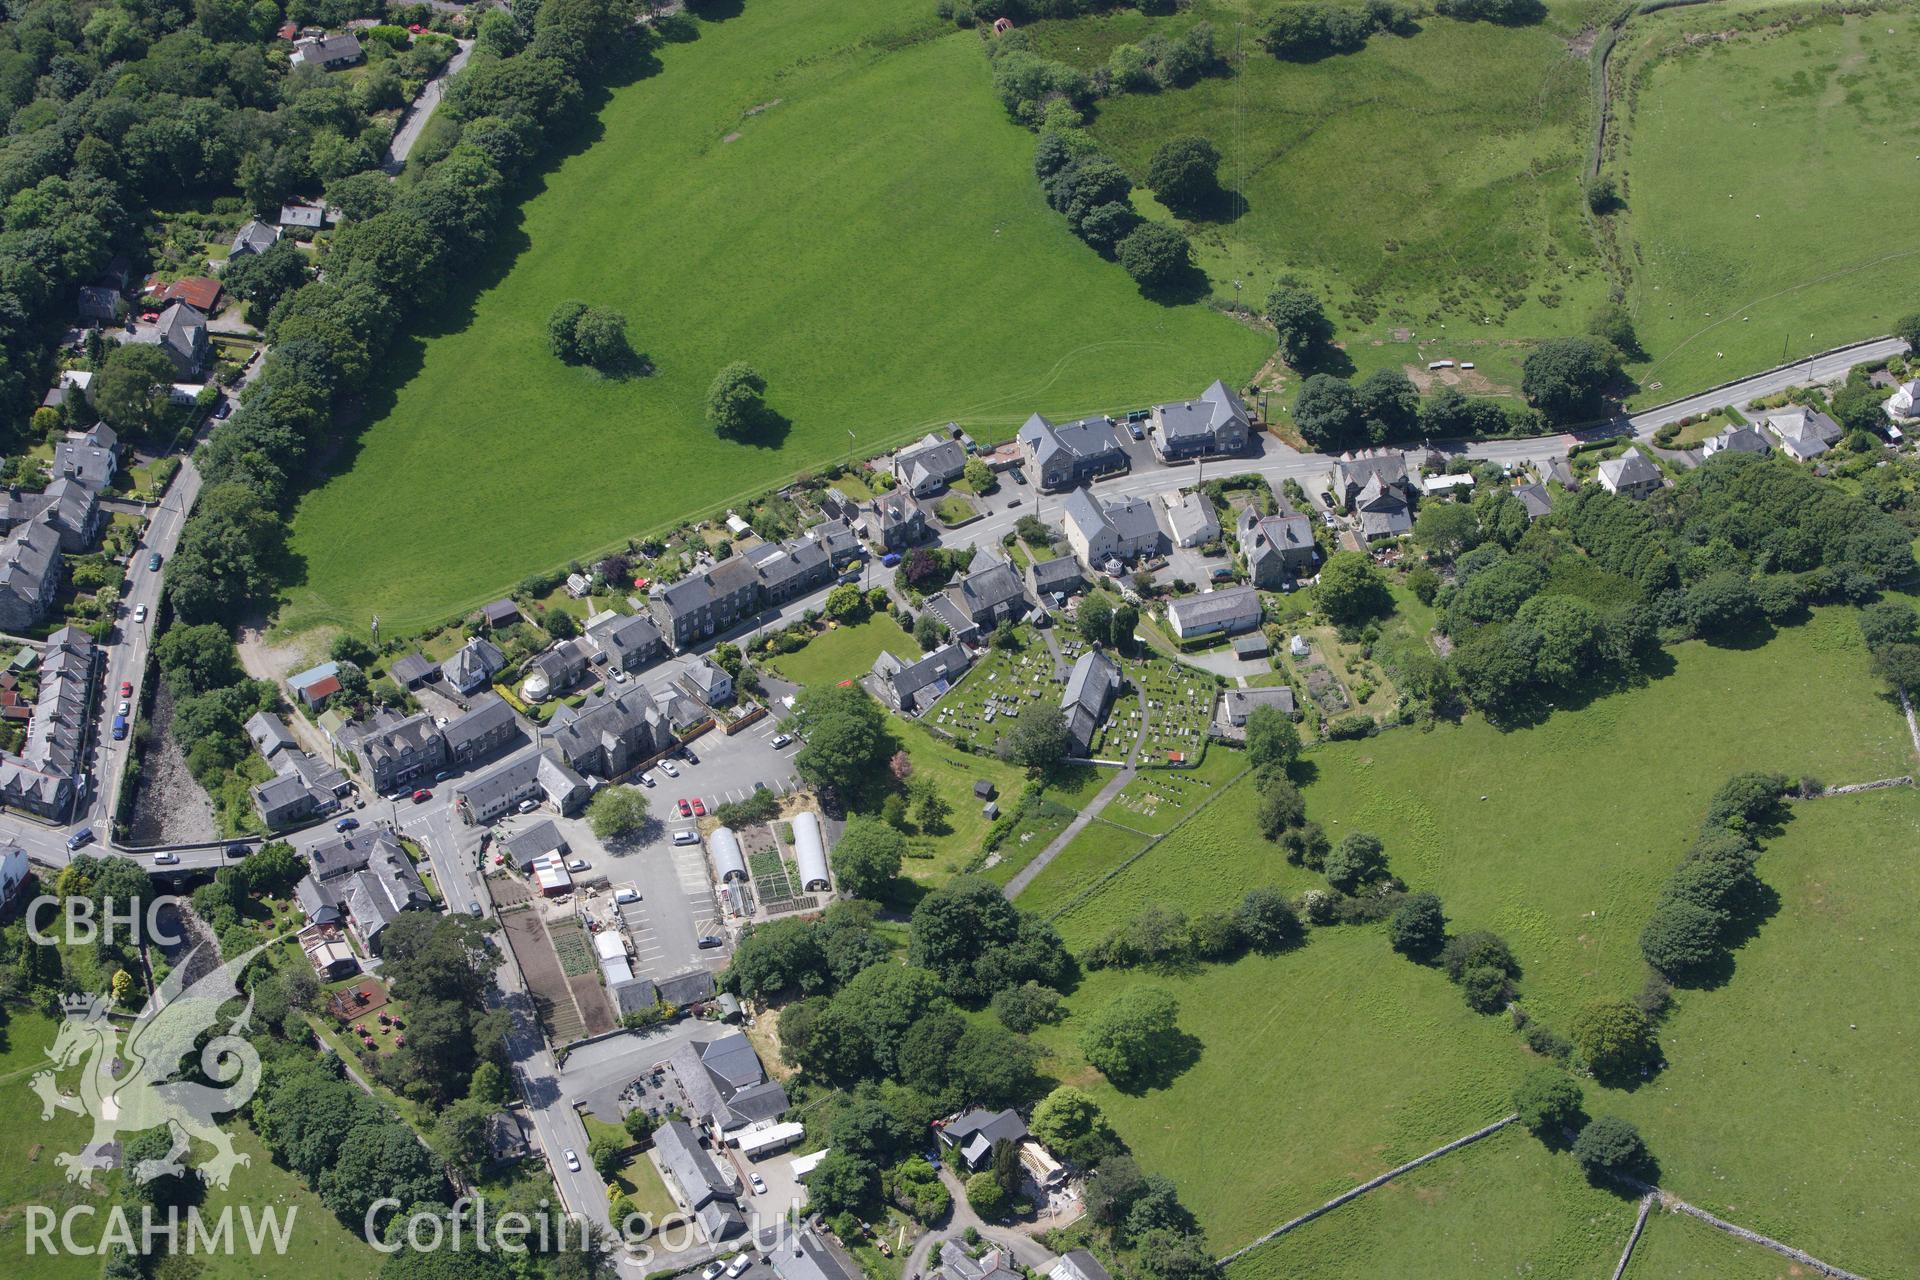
(686, 835)
(125, 708)
(126, 688)
(738, 1265)
(80, 838)
(572, 1159)
(1012, 503)
(119, 728)
(528, 805)
(890, 559)
(666, 767)
(1135, 431)
(646, 780)
(473, 909)
(225, 408)
(686, 753)
(626, 896)
(422, 796)
(578, 864)
(712, 1271)
(346, 824)
(759, 1184)
(686, 810)
(781, 740)
(139, 613)
(619, 676)
(166, 859)
(153, 562)
(699, 809)
(711, 940)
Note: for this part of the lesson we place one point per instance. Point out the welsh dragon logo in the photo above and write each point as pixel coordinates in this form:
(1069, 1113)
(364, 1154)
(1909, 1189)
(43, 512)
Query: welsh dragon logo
(130, 1089)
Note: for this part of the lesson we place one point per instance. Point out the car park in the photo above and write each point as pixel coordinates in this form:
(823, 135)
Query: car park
(686, 810)
(423, 795)
(346, 824)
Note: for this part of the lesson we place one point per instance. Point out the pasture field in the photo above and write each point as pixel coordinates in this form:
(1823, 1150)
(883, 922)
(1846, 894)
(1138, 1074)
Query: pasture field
(1760, 175)
(1786, 1101)
(1429, 182)
(1503, 1206)
(933, 856)
(833, 195)
(1677, 1247)
(1582, 822)
(1316, 1070)
(1099, 848)
(846, 652)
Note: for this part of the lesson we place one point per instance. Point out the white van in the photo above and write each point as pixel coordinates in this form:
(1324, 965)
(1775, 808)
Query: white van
(738, 1265)
(626, 897)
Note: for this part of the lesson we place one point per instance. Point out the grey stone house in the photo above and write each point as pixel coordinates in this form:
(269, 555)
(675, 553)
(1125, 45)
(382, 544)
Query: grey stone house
(1215, 422)
(704, 603)
(627, 642)
(1071, 454)
(473, 665)
(1277, 547)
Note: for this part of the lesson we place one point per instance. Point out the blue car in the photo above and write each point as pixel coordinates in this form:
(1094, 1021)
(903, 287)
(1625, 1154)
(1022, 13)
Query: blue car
(890, 559)
(346, 824)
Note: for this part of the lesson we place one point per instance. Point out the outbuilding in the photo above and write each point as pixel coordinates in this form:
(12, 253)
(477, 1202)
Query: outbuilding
(810, 852)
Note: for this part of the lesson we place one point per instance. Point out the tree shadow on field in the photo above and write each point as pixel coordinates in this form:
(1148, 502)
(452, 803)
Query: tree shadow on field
(770, 430)
(1190, 284)
(716, 10)
(1221, 207)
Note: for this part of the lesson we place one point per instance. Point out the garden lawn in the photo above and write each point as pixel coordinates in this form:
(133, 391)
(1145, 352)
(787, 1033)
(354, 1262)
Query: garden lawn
(1677, 1247)
(846, 652)
(1760, 174)
(1317, 1070)
(643, 1185)
(1788, 1097)
(1503, 1206)
(833, 195)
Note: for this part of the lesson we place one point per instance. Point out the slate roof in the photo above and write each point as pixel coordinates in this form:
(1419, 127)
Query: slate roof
(537, 840)
(473, 664)
(983, 592)
(1191, 518)
(689, 1165)
(1803, 433)
(725, 1084)
(1202, 417)
(302, 215)
(619, 636)
(1629, 470)
(255, 237)
(489, 715)
(684, 989)
(933, 458)
(1056, 576)
(1240, 703)
(1088, 438)
(1091, 684)
(931, 675)
(979, 1130)
(1534, 498)
(269, 734)
(1229, 607)
(412, 669)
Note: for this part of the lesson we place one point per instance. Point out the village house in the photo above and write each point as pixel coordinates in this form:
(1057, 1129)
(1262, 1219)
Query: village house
(1803, 433)
(473, 665)
(1055, 579)
(1214, 423)
(1110, 529)
(364, 881)
(1071, 454)
(181, 332)
(1377, 492)
(608, 737)
(929, 464)
(1630, 475)
(1534, 498)
(697, 1181)
(316, 684)
(1190, 518)
(707, 602)
(89, 457)
(895, 521)
(726, 1087)
(1277, 548)
(912, 687)
(541, 778)
(329, 53)
(627, 642)
(397, 751)
(255, 237)
(1739, 438)
(45, 777)
(1223, 612)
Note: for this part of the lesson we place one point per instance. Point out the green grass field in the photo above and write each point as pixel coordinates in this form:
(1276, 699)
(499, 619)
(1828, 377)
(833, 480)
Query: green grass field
(832, 194)
(1317, 1070)
(1785, 1102)
(1505, 1206)
(319, 1247)
(846, 653)
(1676, 1247)
(1099, 848)
(1760, 175)
(1428, 179)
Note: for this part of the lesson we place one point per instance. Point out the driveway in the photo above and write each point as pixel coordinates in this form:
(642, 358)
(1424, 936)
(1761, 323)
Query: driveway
(1026, 1251)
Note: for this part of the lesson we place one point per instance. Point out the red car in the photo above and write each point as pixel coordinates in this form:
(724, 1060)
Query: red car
(686, 810)
(422, 796)
(126, 688)
(699, 810)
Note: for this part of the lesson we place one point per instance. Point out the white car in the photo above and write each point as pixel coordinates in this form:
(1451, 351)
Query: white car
(619, 676)
(139, 613)
(739, 1264)
(646, 780)
(125, 708)
(166, 859)
(529, 805)
(782, 739)
(712, 1271)
(666, 767)
(573, 1160)
(759, 1184)
(577, 864)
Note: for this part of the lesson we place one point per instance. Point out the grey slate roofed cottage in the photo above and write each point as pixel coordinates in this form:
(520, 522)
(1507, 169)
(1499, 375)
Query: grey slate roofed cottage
(1225, 611)
(913, 687)
(1214, 422)
(1091, 686)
